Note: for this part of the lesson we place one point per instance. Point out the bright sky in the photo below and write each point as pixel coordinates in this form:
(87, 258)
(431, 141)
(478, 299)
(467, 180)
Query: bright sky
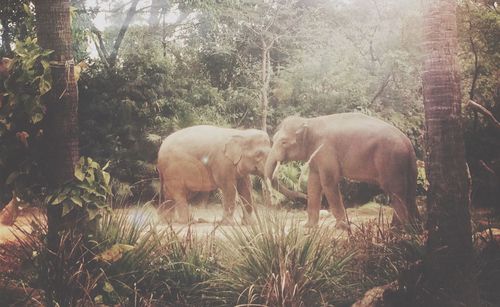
(102, 19)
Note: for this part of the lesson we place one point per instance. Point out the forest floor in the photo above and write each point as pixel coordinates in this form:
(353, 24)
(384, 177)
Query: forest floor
(208, 215)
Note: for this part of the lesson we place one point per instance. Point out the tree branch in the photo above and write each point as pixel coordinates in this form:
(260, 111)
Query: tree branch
(382, 87)
(476, 106)
(99, 44)
(128, 19)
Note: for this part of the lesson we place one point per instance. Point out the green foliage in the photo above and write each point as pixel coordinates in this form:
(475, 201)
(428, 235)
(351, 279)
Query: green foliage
(80, 268)
(21, 113)
(479, 28)
(184, 266)
(126, 113)
(275, 262)
(125, 244)
(87, 192)
(294, 175)
(382, 254)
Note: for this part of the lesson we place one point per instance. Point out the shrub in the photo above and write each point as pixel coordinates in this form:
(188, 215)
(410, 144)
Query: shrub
(183, 266)
(278, 263)
(108, 265)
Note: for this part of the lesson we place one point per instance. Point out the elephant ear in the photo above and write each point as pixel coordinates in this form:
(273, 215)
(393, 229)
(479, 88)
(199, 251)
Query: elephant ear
(233, 149)
(301, 134)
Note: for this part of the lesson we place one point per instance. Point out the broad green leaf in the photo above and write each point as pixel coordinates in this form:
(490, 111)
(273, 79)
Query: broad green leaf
(107, 287)
(87, 197)
(67, 208)
(36, 118)
(44, 86)
(26, 9)
(106, 166)
(99, 299)
(92, 213)
(45, 64)
(114, 253)
(77, 200)
(59, 199)
(79, 174)
(106, 177)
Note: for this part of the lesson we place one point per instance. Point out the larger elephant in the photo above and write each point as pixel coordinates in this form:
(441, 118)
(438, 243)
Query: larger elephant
(206, 158)
(349, 145)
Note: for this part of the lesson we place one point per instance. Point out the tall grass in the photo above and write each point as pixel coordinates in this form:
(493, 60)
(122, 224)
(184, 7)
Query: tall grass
(275, 262)
(77, 275)
(130, 240)
(382, 255)
(185, 263)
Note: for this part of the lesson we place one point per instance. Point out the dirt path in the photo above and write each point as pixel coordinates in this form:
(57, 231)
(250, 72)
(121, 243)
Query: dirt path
(210, 214)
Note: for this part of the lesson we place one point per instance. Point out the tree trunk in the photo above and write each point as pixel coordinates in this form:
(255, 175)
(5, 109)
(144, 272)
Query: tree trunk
(121, 34)
(61, 121)
(6, 37)
(265, 80)
(155, 13)
(448, 277)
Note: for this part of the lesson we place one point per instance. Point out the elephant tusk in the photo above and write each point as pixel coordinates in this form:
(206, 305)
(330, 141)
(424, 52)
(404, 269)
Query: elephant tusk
(276, 169)
(305, 167)
(314, 154)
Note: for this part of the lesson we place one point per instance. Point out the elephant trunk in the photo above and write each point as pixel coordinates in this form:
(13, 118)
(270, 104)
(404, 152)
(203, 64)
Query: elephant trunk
(270, 167)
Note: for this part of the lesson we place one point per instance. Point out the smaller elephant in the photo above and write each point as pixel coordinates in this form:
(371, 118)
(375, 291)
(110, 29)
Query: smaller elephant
(205, 158)
(353, 146)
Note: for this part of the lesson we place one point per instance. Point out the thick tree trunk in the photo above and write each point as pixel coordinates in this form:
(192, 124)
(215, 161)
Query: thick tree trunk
(61, 121)
(448, 277)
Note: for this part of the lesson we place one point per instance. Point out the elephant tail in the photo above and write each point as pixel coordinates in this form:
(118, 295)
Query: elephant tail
(160, 193)
(411, 188)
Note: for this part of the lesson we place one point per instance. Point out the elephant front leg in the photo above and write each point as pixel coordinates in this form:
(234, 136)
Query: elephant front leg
(332, 192)
(245, 192)
(229, 198)
(313, 199)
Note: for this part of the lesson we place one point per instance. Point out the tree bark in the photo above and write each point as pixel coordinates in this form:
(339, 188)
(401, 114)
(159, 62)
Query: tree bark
(155, 12)
(60, 122)
(447, 276)
(121, 34)
(6, 37)
(265, 79)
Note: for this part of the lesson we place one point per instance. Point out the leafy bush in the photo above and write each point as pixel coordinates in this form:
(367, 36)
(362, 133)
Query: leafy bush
(87, 192)
(21, 113)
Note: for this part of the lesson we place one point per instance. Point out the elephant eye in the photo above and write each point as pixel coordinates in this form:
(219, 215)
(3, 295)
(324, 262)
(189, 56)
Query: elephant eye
(259, 155)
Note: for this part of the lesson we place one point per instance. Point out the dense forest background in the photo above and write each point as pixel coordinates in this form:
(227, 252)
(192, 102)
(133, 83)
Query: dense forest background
(158, 66)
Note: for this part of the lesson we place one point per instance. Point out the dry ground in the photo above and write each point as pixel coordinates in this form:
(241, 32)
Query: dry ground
(207, 217)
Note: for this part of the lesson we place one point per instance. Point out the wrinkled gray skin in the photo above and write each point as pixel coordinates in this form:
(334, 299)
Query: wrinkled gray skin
(350, 145)
(205, 158)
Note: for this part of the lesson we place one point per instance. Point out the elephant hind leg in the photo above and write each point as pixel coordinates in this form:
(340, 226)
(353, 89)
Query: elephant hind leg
(180, 196)
(397, 192)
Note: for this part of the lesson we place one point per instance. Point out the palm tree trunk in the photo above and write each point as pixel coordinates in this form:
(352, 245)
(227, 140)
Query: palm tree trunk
(448, 275)
(61, 120)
